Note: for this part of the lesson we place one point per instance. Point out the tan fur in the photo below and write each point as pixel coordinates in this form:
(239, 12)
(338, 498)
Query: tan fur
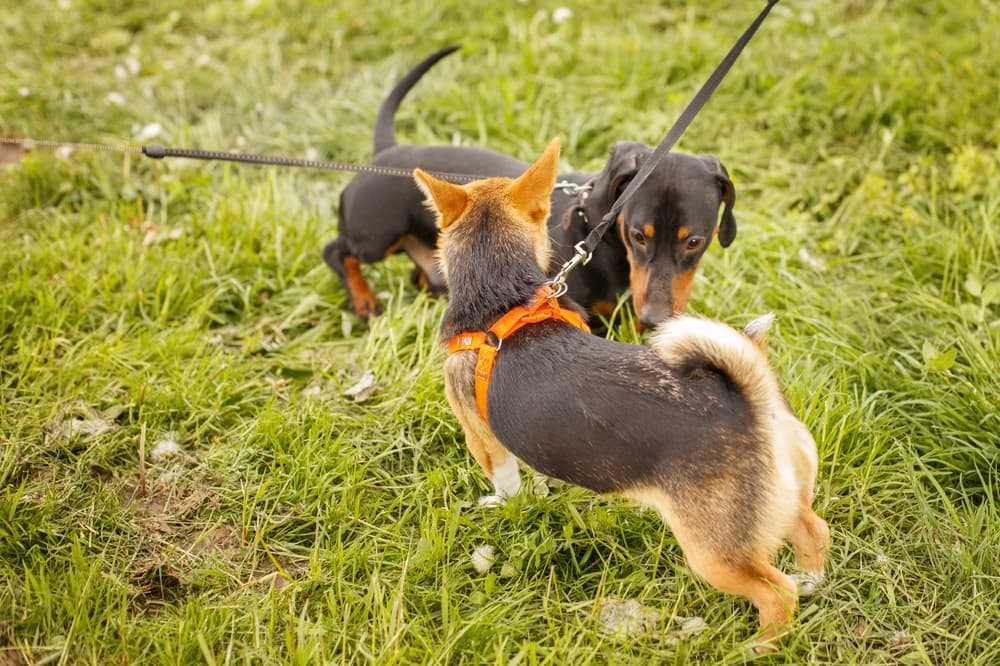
(449, 200)
(771, 591)
(638, 276)
(526, 197)
(422, 255)
(680, 290)
(695, 510)
(364, 299)
(485, 448)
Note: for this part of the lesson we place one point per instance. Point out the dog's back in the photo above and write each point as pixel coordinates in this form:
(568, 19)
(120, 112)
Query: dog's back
(382, 215)
(375, 211)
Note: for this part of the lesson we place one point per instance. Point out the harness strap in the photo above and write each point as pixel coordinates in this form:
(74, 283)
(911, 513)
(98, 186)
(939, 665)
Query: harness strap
(544, 307)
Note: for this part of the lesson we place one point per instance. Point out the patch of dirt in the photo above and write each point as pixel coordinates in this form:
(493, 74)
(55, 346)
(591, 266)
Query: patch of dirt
(165, 505)
(187, 539)
(156, 583)
(12, 656)
(223, 539)
(279, 571)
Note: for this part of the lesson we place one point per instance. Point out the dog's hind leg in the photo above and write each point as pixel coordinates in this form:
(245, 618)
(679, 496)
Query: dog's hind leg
(772, 592)
(808, 533)
(731, 561)
(361, 298)
(810, 537)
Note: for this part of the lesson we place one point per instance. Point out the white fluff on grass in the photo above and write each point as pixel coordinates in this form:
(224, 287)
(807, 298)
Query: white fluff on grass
(483, 558)
(164, 449)
(561, 14)
(150, 131)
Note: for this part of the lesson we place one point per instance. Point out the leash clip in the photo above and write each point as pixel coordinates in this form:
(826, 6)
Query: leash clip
(558, 281)
(571, 189)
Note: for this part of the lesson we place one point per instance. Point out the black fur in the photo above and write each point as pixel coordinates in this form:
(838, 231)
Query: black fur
(612, 417)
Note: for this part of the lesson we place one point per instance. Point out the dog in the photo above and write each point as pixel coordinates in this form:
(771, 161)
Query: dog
(694, 426)
(660, 238)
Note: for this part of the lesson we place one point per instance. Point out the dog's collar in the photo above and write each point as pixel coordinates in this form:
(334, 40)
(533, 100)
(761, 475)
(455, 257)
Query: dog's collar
(544, 306)
(579, 209)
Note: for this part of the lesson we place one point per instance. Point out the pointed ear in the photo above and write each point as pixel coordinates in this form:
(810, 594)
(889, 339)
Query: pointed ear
(757, 329)
(531, 191)
(449, 199)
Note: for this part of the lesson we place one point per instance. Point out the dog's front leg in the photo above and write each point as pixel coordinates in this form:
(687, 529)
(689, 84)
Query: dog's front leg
(498, 463)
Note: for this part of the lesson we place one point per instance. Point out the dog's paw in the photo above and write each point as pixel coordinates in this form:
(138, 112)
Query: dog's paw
(492, 500)
(808, 581)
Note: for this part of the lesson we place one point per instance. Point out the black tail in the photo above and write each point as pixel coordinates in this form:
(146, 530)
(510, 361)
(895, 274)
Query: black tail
(385, 135)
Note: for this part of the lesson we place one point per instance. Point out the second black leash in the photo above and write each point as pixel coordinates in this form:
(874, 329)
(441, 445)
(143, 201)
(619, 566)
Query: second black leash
(156, 151)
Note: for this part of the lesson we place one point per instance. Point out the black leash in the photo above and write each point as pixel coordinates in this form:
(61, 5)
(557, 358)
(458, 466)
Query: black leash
(585, 248)
(157, 152)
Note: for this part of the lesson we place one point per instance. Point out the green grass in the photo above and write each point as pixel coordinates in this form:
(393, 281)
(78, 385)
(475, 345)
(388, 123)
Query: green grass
(144, 300)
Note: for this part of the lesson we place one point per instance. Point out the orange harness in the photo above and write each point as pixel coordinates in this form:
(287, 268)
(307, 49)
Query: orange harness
(545, 306)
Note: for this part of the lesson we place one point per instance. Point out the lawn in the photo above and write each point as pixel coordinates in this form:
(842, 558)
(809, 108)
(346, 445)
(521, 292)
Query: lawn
(191, 470)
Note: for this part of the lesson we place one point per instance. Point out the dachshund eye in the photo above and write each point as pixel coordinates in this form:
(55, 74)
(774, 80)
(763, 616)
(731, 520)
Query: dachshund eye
(638, 238)
(695, 243)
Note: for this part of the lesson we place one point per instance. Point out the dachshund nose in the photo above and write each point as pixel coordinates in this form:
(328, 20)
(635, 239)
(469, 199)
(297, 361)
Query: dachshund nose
(652, 314)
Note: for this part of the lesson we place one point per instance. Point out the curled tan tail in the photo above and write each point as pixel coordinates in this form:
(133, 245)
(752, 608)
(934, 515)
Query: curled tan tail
(687, 342)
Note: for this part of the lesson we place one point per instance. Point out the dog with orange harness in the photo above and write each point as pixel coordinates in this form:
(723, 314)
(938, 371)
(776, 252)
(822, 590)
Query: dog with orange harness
(694, 426)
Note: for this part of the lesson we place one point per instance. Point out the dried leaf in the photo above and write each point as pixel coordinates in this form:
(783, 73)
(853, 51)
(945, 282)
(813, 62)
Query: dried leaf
(84, 422)
(364, 388)
(626, 619)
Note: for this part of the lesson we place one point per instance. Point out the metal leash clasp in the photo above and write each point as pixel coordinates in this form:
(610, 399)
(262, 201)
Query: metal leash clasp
(570, 188)
(558, 281)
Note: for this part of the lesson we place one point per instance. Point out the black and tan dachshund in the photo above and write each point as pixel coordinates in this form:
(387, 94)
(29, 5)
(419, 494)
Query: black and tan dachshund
(694, 426)
(659, 241)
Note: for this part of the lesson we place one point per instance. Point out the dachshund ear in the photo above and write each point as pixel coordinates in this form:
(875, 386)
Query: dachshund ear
(623, 164)
(727, 226)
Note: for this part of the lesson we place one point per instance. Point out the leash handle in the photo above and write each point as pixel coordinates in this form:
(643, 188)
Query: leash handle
(585, 248)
